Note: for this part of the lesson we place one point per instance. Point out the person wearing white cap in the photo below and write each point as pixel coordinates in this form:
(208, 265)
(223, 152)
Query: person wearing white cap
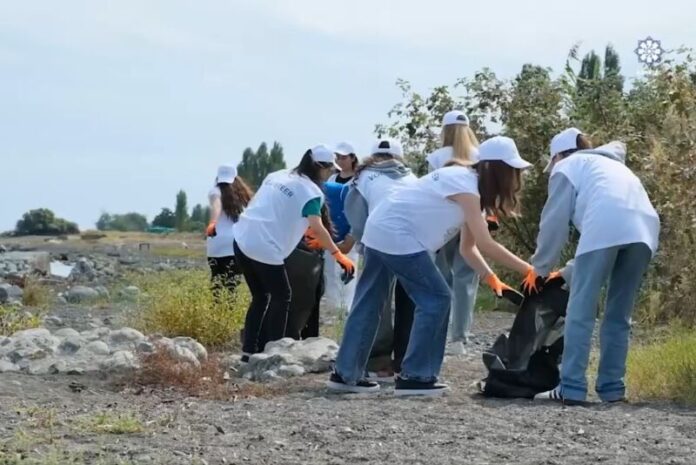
(378, 176)
(566, 142)
(285, 206)
(227, 199)
(347, 162)
(400, 234)
(458, 143)
(338, 295)
(619, 232)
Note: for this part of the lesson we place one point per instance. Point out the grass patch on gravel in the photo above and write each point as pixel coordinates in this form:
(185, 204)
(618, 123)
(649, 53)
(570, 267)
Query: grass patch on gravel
(36, 295)
(112, 423)
(16, 319)
(181, 303)
(664, 369)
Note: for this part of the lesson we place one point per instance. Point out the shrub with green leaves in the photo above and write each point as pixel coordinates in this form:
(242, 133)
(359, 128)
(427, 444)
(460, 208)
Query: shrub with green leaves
(182, 303)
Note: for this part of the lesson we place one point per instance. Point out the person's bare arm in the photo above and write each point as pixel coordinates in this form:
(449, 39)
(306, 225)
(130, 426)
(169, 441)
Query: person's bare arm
(346, 245)
(322, 235)
(215, 208)
(471, 253)
(477, 226)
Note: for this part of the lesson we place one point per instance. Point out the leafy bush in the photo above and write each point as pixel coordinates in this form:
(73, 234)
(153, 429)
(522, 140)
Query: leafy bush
(43, 222)
(664, 370)
(656, 118)
(36, 295)
(127, 222)
(181, 303)
(13, 320)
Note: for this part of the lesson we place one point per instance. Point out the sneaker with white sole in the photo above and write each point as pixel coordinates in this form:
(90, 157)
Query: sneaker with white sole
(555, 395)
(456, 348)
(363, 386)
(408, 387)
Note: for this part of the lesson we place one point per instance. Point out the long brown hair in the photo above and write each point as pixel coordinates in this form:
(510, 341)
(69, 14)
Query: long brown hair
(235, 197)
(499, 187)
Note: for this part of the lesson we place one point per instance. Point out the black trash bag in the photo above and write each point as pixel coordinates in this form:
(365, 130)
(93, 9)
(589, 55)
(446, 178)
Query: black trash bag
(525, 362)
(305, 270)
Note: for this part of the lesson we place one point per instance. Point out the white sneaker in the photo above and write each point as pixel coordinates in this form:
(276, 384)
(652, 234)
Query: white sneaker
(552, 395)
(456, 348)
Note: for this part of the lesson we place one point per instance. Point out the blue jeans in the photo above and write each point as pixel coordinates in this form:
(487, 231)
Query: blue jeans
(463, 281)
(427, 288)
(623, 266)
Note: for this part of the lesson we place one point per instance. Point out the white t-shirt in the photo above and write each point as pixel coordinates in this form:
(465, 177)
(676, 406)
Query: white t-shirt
(222, 245)
(420, 216)
(611, 207)
(375, 186)
(439, 157)
(272, 225)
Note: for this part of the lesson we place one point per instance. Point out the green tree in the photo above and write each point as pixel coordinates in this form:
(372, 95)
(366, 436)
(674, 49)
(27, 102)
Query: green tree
(126, 222)
(256, 165)
(198, 214)
(181, 211)
(43, 222)
(165, 219)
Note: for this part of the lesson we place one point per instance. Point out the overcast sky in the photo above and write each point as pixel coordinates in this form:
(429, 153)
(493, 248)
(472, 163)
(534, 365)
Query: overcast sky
(115, 105)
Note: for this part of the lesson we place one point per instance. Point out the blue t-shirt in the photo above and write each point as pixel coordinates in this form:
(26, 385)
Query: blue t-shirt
(335, 194)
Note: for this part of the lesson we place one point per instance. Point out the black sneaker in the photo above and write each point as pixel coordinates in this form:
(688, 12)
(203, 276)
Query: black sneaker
(408, 387)
(336, 383)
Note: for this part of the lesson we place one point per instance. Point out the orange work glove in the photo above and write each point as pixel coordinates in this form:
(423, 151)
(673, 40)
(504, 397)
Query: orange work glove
(311, 240)
(530, 284)
(210, 231)
(345, 263)
(496, 285)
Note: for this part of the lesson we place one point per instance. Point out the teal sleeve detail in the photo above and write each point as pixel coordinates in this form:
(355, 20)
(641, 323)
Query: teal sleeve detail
(312, 208)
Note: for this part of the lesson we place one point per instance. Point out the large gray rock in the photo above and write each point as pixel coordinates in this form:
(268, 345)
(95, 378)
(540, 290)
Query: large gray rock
(66, 332)
(10, 293)
(130, 293)
(6, 366)
(97, 348)
(102, 291)
(81, 294)
(30, 344)
(184, 355)
(70, 345)
(83, 270)
(124, 338)
(119, 361)
(26, 262)
(95, 334)
(194, 346)
(287, 358)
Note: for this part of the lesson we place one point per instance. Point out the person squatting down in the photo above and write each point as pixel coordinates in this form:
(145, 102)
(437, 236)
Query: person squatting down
(285, 206)
(400, 236)
(593, 190)
(227, 199)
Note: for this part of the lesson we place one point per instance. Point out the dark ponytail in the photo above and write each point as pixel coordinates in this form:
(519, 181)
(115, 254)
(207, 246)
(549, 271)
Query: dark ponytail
(308, 167)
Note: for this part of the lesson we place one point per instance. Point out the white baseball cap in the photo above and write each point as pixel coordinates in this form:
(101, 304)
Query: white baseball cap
(564, 140)
(503, 149)
(226, 174)
(344, 148)
(388, 147)
(455, 117)
(323, 154)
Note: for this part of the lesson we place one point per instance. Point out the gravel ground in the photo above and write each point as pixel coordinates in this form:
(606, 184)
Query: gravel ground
(73, 420)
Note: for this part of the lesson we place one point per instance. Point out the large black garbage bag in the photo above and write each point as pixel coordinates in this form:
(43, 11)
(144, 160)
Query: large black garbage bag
(525, 362)
(305, 270)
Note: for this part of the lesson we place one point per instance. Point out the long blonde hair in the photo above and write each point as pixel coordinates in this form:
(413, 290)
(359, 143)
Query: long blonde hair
(462, 140)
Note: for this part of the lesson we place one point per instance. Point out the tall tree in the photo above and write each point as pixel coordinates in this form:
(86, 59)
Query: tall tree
(165, 219)
(181, 211)
(256, 165)
(612, 69)
(198, 214)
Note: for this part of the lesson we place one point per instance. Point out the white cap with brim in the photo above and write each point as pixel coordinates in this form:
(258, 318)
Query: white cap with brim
(455, 117)
(503, 149)
(226, 174)
(323, 154)
(344, 148)
(561, 142)
(388, 147)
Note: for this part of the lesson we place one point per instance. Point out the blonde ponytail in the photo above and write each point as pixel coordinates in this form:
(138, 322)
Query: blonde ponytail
(462, 140)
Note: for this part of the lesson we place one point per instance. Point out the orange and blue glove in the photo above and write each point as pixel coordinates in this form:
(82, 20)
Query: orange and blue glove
(500, 289)
(493, 223)
(346, 264)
